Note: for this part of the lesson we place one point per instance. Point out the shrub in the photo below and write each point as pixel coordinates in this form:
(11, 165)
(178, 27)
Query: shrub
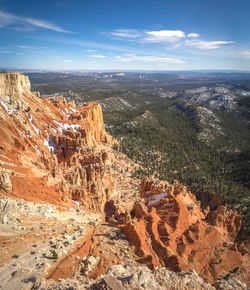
(54, 255)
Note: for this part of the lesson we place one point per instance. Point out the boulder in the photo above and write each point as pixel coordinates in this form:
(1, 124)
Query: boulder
(5, 182)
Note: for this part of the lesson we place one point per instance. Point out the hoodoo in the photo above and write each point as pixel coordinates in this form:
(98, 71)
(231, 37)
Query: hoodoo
(168, 228)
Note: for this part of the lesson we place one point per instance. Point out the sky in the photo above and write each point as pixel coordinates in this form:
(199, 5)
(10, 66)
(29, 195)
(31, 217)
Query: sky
(125, 35)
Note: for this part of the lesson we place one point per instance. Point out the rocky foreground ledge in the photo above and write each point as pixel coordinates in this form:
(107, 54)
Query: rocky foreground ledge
(34, 233)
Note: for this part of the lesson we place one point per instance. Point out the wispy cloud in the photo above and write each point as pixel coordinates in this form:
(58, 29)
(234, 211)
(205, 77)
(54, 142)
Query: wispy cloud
(90, 50)
(84, 43)
(153, 36)
(22, 23)
(68, 60)
(97, 56)
(147, 58)
(164, 36)
(246, 53)
(126, 33)
(25, 46)
(193, 35)
(176, 38)
(207, 44)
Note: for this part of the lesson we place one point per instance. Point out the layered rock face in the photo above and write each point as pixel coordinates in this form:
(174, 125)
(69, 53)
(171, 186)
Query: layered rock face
(168, 228)
(52, 150)
(14, 84)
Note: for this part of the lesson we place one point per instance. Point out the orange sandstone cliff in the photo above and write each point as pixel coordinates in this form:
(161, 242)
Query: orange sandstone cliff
(51, 150)
(168, 228)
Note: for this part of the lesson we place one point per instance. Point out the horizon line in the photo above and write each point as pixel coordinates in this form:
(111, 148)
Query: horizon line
(125, 70)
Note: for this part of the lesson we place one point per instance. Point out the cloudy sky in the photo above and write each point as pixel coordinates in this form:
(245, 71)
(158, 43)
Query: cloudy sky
(125, 34)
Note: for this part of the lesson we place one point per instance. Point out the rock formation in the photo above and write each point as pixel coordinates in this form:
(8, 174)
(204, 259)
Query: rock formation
(168, 228)
(5, 182)
(14, 84)
(51, 149)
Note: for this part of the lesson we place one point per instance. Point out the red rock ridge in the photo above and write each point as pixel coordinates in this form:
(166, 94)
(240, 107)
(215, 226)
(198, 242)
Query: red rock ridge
(168, 228)
(52, 150)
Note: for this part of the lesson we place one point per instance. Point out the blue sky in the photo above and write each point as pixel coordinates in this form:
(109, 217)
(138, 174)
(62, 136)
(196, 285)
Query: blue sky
(125, 34)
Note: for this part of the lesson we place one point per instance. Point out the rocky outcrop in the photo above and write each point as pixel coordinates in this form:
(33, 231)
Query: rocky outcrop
(143, 278)
(5, 182)
(14, 84)
(54, 150)
(168, 228)
(140, 277)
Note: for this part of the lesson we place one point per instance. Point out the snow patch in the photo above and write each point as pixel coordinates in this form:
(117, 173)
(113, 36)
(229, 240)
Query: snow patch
(124, 102)
(38, 132)
(67, 114)
(37, 148)
(21, 105)
(73, 110)
(156, 198)
(67, 127)
(54, 130)
(50, 144)
(76, 202)
(7, 108)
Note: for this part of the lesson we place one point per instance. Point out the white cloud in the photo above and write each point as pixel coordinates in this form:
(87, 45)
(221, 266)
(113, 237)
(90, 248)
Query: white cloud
(126, 33)
(25, 46)
(193, 35)
(148, 58)
(164, 36)
(26, 23)
(177, 38)
(207, 44)
(90, 50)
(97, 56)
(68, 60)
(246, 53)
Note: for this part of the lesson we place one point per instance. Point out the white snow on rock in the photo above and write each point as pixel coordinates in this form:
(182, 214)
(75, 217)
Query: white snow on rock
(50, 144)
(73, 110)
(153, 199)
(9, 111)
(76, 202)
(205, 113)
(37, 148)
(54, 130)
(125, 103)
(66, 114)
(65, 126)
(21, 105)
(33, 126)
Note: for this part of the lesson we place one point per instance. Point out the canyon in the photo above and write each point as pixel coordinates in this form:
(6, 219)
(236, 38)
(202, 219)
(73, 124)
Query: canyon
(72, 215)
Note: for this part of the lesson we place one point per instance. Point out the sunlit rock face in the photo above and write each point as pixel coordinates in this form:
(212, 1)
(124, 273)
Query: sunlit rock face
(169, 228)
(14, 84)
(52, 150)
